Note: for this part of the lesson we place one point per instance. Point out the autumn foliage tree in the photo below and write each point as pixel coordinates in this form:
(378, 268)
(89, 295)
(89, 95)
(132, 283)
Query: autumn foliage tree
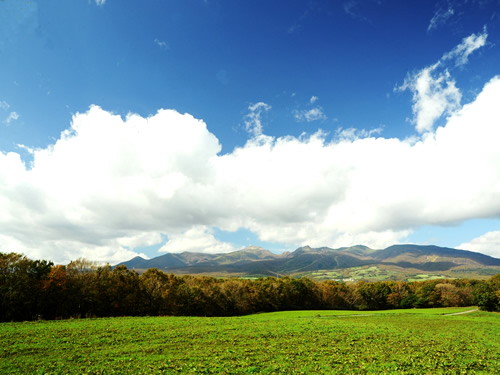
(21, 286)
(34, 289)
(487, 294)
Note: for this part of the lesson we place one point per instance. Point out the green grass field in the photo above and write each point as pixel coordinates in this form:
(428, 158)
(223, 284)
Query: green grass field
(413, 341)
(390, 272)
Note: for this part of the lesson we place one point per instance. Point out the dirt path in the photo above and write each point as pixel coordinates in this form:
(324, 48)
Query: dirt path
(463, 312)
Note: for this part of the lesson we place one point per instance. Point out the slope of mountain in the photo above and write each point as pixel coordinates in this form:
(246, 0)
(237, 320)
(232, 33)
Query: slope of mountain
(431, 258)
(255, 261)
(251, 253)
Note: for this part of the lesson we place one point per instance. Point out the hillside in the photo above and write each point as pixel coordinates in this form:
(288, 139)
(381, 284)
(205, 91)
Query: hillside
(395, 262)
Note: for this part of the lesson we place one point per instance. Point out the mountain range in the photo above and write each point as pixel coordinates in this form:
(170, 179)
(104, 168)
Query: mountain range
(306, 261)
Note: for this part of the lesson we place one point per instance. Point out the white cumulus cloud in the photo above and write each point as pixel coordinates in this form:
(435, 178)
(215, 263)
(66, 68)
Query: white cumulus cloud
(253, 120)
(434, 90)
(309, 115)
(105, 183)
(352, 134)
(312, 114)
(434, 94)
(469, 44)
(198, 239)
(488, 243)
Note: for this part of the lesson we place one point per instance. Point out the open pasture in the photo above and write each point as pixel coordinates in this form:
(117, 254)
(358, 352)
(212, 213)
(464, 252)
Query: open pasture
(423, 341)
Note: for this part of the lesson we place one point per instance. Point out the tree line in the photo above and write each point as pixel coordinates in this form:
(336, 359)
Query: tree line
(38, 289)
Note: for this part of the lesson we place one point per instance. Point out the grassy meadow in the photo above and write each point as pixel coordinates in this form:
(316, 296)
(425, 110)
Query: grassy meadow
(416, 341)
(393, 272)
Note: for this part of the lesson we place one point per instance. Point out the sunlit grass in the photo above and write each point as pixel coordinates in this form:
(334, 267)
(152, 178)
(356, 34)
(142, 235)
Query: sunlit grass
(395, 341)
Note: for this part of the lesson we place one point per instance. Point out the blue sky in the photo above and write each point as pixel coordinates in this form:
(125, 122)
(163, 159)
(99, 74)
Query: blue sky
(131, 127)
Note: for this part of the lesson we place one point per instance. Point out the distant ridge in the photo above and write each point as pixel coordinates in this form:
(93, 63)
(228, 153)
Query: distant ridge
(256, 261)
(430, 250)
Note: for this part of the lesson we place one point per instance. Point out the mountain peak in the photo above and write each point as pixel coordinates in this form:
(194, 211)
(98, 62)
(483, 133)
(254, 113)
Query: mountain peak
(253, 248)
(254, 260)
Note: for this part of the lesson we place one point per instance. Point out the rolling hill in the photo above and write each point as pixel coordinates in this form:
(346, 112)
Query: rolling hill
(396, 262)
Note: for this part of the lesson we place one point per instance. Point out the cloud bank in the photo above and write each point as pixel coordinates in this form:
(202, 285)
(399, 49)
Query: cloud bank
(111, 185)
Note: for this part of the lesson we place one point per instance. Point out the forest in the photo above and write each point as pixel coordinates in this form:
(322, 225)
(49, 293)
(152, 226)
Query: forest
(38, 289)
